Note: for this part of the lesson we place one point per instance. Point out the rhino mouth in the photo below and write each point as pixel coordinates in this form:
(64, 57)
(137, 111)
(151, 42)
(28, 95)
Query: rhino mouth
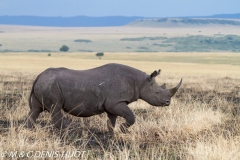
(167, 104)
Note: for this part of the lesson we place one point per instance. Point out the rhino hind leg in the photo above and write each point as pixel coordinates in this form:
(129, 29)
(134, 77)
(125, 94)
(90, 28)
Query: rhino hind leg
(124, 111)
(34, 112)
(57, 116)
(53, 103)
(58, 120)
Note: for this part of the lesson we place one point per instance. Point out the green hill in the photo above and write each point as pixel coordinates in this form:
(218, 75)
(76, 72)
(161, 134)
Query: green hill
(198, 43)
(178, 22)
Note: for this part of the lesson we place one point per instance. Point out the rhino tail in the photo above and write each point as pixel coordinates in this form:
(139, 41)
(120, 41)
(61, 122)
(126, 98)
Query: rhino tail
(32, 92)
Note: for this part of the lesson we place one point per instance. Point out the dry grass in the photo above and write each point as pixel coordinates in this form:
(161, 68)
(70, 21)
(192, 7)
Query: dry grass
(29, 62)
(201, 123)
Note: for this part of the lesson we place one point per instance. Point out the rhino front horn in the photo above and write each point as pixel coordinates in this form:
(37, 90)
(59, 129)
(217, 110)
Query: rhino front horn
(174, 90)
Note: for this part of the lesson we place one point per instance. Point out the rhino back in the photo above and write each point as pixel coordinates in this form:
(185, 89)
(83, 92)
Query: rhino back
(111, 82)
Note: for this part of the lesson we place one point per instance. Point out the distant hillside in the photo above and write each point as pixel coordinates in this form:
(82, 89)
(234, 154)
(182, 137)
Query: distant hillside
(222, 16)
(178, 22)
(78, 21)
(85, 21)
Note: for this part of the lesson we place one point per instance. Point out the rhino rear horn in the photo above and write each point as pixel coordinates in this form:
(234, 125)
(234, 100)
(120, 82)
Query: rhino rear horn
(174, 90)
(163, 86)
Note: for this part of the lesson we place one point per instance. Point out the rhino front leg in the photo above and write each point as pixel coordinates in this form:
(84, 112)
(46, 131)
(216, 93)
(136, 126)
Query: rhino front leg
(111, 122)
(124, 111)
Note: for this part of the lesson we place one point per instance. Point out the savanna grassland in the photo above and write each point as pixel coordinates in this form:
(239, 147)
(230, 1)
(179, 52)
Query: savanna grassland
(220, 38)
(202, 121)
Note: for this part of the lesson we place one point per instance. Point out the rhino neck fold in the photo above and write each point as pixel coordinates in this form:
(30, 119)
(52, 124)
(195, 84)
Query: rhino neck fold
(141, 84)
(136, 95)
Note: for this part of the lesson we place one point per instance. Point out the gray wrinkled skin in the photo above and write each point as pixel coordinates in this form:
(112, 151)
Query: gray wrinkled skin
(83, 93)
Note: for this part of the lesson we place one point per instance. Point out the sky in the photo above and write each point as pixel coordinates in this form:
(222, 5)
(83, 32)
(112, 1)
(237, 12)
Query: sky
(99, 8)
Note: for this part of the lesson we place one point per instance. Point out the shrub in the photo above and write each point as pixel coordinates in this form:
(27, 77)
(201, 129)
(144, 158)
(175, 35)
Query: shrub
(100, 54)
(64, 48)
(82, 40)
(35, 50)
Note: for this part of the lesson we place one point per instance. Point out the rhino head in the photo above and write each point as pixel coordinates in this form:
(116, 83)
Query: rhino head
(157, 95)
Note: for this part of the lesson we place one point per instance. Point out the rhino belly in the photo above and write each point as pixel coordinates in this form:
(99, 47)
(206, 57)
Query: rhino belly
(83, 109)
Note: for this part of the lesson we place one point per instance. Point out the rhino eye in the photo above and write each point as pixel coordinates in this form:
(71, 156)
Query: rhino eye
(157, 91)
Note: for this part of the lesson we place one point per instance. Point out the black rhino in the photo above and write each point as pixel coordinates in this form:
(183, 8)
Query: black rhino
(83, 93)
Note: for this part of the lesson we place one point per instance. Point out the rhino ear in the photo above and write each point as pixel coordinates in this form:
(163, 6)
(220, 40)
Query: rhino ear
(163, 86)
(154, 74)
